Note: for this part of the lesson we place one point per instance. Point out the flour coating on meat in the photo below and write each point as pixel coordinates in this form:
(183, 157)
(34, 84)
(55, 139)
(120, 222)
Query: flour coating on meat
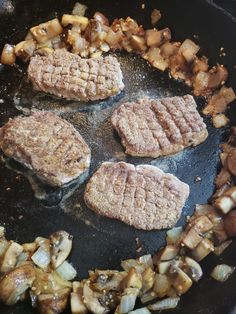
(48, 145)
(67, 75)
(143, 196)
(158, 127)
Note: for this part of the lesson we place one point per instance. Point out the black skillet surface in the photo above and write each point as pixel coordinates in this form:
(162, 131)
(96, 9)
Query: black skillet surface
(101, 242)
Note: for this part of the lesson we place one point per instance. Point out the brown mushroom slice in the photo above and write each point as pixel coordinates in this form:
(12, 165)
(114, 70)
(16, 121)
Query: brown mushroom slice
(98, 16)
(8, 56)
(179, 279)
(61, 246)
(169, 252)
(30, 247)
(138, 43)
(193, 269)
(224, 203)
(201, 224)
(191, 239)
(25, 49)
(204, 248)
(200, 65)
(231, 161)
(91, 300)
(10, 257)
(15, 283)
(230, 224)
(218, 76)
(107, 280)
(219, 101)
(76, 299)
(53, 303)
(46, 31)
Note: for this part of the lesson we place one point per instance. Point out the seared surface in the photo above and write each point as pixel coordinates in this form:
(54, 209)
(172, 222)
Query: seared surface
(143, 196)
(67, 75)
(46, 144)
(160, 127)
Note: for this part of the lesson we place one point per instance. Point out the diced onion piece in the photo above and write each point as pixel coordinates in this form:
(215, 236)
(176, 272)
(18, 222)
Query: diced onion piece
(3, 246)
(147, 279)
(2, 232)
(194, 270)
(224, 203)
(169, 252)
(66, 271)
(98, 16)
(143, 310)
(147, 297)
(80, 21)
(155, 16)
(166, 304)
(8, 56)
(146, 260)
(222, 272)
(223, 246)
(41, 257)
(220, 120)
(191, 239)
(163, 267)
(79, 9)
(113, 38)
(153, 55)
(128, 300)
(23, 257)
(138, 43)
(173, 235)
(161, 285)
(46, 31)
(189, 50)
(133, 279)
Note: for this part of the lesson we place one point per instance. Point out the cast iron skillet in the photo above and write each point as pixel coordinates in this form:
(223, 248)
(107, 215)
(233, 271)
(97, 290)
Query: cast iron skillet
(100, 242)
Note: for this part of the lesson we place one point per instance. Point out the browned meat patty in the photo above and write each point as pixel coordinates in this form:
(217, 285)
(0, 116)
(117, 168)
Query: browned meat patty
(66, 75)
(153, 128)
(143, 196)
(46, 144)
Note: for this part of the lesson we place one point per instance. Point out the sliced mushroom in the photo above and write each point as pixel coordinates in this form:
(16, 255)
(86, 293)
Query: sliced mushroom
(173, 235)
(107, 280)
(15, 283)
(169, 252)
(201, 224)
(61, 246)
(138, 43)
(53, 303)
(25, 49)
(191, 239)
(222, 272)
(10, 257)
(179, 279)
(77, 305)
(231, 161)
(204, 248)
(224, 203)
(101, 18)
(46, 31)
(30, 247)
(222, 247)
(200, 65)
(218, 75)
(91, 300)
(230, 224)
